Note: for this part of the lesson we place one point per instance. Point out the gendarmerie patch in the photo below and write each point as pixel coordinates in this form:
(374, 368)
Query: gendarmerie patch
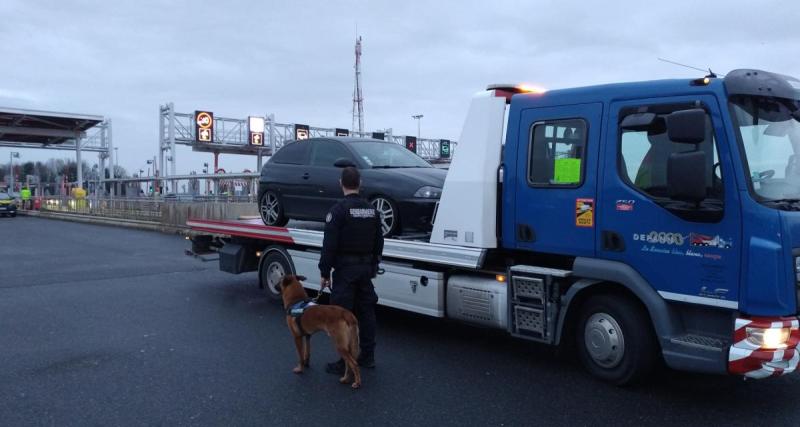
(362, 213)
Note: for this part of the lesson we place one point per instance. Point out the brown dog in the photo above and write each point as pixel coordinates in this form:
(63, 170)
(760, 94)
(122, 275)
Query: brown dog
(339, 323)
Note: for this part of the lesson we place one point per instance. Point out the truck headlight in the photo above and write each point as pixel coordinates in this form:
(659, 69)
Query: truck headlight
(428, 192)
(768, 338)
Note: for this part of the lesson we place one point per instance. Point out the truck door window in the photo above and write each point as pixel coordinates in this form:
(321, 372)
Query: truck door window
(556, 153)
(644, 154)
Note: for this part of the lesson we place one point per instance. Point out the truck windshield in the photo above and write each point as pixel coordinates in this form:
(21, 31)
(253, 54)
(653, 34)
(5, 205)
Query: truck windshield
(770, 133)
(388, 155)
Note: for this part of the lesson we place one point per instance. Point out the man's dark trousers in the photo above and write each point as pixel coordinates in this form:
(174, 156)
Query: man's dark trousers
(352, 289)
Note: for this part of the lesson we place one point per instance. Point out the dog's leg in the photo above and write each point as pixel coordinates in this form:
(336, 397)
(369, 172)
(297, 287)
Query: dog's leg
(307, 354)
(298, 343)
(352, 364)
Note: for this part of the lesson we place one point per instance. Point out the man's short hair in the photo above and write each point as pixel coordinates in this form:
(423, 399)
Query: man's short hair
(351, 179)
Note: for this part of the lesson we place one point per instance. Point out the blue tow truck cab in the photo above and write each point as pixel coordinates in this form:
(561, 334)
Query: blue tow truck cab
(683, 194)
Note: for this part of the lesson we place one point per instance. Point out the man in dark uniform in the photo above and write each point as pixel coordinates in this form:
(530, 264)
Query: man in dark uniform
(352, 247)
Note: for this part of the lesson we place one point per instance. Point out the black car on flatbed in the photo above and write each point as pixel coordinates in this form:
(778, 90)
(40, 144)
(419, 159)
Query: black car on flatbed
(301, 181)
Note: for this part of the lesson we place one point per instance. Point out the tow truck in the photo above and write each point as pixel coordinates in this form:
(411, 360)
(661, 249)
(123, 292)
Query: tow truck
(632, 223)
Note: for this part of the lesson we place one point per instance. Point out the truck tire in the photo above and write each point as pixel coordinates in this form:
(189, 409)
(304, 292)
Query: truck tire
(615, 340)
(271, 210)
(274, 264)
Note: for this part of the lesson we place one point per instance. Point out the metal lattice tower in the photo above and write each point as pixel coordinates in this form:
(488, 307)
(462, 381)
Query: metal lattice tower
(358, 97)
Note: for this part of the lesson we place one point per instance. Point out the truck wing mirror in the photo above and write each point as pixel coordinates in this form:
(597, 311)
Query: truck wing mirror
(343, 162)
(638, 121)
(687, 126)
(686, 176)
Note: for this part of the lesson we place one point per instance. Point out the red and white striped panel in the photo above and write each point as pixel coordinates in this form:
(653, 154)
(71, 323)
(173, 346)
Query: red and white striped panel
(245, 228)
(752, 361)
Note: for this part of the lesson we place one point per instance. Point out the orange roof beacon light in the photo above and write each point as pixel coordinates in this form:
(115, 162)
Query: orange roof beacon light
(509, 90)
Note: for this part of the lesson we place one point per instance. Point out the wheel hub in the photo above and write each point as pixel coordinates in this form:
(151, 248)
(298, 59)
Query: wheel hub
(275, 274)
(604, 340)
(386, 212)
(269, 209)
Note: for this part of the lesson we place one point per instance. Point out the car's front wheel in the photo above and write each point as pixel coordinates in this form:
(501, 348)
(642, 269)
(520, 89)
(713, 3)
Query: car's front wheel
(390, 216)
(271, 210)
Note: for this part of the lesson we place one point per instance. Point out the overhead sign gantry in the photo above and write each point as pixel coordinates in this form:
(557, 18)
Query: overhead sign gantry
(260, 136)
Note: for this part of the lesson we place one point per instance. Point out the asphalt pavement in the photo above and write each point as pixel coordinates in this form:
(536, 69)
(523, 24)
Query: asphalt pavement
(110, 326)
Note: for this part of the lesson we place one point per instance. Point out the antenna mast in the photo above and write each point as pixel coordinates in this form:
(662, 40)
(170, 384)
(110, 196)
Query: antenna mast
(358, 98)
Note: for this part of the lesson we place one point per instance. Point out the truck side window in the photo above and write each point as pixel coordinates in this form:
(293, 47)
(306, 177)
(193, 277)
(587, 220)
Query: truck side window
(556, 153)
(645, 151)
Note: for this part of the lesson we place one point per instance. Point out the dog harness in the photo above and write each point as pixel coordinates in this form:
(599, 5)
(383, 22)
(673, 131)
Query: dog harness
(296, 310)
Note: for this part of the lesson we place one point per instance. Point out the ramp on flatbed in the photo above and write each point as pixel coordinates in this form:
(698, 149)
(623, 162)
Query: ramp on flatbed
(408, 250)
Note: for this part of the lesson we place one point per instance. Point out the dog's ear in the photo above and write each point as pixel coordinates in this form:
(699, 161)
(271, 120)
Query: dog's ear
(287, 280)
(301, 278)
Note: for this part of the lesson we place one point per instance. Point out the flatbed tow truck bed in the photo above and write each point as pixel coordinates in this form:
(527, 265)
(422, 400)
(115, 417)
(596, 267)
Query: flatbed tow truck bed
(394, 249)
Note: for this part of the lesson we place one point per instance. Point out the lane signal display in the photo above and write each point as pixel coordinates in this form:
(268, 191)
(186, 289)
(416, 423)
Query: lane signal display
(301, 132)
(444, 149)
(204, 126)
(378, 135)
(342, 132)
(411, 143)
(255, 126)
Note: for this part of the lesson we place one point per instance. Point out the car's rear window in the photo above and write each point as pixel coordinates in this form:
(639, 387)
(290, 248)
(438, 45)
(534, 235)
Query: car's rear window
(294, 153)
(388, 155)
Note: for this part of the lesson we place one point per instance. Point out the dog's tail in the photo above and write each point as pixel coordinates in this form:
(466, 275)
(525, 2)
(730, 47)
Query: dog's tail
(354, 344)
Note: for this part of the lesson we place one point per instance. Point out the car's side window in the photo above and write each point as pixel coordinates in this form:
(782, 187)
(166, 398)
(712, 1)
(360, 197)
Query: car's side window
(326, 153)
(292, 154)
(556, 153)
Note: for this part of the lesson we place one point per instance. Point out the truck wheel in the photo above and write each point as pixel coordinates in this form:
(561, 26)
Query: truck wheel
(273, 266)
(271, 210)
(390, 216)
(615, 340)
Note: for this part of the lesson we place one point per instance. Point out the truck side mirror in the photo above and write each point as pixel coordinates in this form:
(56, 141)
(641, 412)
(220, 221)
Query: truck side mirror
(342, 162)
(686, 176)
(687, 126)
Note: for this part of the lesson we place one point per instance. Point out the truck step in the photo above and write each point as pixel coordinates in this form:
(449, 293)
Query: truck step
(700, 341)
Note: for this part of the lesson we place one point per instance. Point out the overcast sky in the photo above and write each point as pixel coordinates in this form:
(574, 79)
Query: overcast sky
(295, 59)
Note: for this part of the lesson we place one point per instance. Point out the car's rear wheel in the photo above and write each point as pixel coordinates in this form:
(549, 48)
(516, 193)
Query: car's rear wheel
(271, 210)
(390, 216)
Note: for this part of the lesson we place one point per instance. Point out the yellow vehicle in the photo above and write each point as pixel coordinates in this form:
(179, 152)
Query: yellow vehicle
(7, 205)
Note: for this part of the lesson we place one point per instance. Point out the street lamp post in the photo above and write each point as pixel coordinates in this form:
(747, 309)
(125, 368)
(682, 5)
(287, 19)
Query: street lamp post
(418, 118)
(11, 170)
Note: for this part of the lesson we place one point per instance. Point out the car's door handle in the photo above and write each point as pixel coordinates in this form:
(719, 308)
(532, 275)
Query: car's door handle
(305, 175)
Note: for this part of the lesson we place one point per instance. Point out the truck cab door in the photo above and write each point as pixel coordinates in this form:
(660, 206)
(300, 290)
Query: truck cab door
(687, 252)
(556, 170)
